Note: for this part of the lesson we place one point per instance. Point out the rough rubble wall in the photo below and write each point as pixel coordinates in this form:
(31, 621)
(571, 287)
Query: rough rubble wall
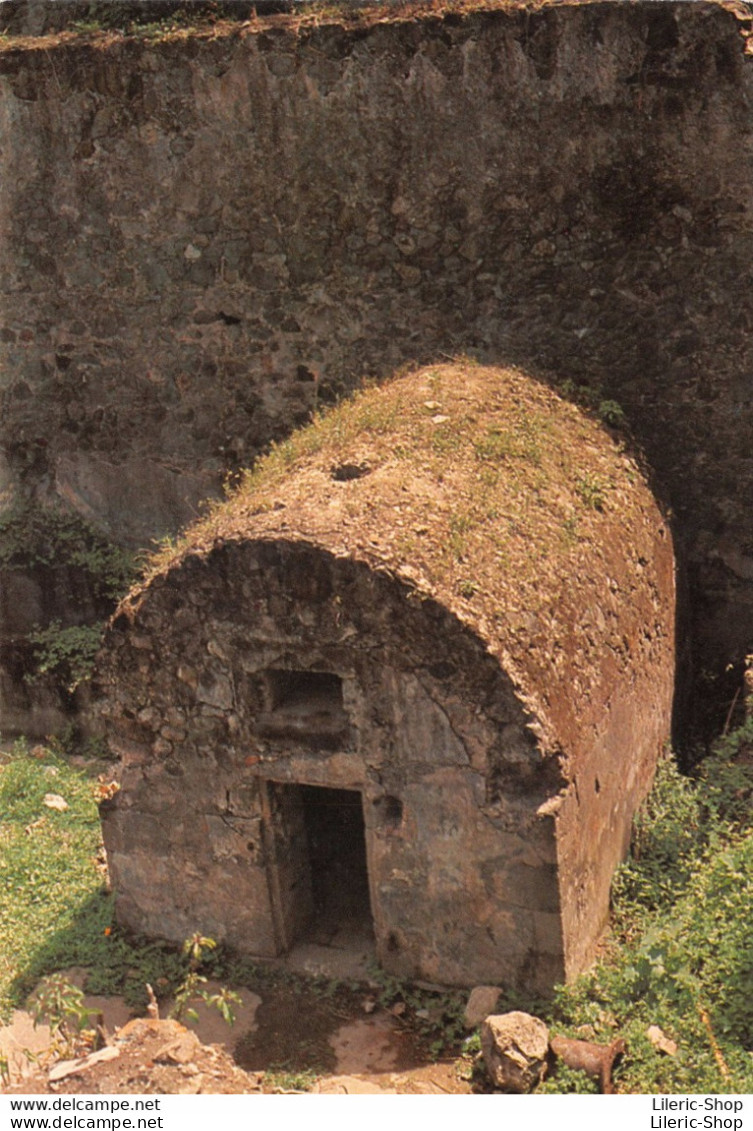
(205, 238)
(463, 887)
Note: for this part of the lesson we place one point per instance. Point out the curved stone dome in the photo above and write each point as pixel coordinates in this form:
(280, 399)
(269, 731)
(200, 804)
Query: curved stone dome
(450, 599)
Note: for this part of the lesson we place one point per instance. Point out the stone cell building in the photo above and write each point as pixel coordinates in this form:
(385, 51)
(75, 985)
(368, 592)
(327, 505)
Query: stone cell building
(423, 656)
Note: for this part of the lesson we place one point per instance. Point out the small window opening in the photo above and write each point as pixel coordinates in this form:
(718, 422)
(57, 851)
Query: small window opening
(303, 704)
(304, 691)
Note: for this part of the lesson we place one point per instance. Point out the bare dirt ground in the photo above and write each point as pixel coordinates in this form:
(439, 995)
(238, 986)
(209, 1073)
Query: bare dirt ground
(290, 1038)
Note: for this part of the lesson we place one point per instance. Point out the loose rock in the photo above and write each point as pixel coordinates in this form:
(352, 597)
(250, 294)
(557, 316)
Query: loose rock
(515, 1047)
(481, 1003)
(660, 1041)
(55, 801)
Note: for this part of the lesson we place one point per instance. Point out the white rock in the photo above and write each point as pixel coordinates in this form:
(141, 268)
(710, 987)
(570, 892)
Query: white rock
(55, 801)
(660, 1041)
(72, 1067)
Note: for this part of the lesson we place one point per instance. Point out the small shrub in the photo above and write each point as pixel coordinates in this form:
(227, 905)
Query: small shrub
(66, 653)
(667, 836)
(61, 1005)
(191, 990)
(611, 413)
(568, 1081)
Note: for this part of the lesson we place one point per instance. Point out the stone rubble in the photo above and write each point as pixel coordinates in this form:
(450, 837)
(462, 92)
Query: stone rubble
(515, 1047)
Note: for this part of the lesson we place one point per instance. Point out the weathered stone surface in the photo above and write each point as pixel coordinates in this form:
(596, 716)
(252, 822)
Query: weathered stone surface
(479, 728)
(481, 1002)
(515, 1047)
(132, 500)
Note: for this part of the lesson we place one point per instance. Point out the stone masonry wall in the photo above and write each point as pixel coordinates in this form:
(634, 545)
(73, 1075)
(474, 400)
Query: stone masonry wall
(206, 237)
(464, 886)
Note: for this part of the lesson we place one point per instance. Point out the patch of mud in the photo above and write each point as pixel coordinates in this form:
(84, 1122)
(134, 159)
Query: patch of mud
(302, 1029)
(368, 1044)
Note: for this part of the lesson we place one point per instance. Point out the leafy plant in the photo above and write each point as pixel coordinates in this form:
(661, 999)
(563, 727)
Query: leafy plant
(43, 541)
(191, 988)
(66, 653)
(53, 908)
(611, 413)
(438, 1017)
(61, 1005)
(568, 1081)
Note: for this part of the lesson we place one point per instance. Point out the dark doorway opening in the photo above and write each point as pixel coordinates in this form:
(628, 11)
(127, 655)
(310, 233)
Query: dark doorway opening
(333, 820)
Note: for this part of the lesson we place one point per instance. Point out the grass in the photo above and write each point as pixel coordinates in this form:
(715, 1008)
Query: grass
(55, 911)
(52, 904)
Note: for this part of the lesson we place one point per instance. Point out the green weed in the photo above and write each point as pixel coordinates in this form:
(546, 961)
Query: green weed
(568, 1081)
(591, 491)
(283, 1078)
(61, 1005)
(684, 962)
(45, 542)
(33, 536)
(611, 413)
(53, 909)
(191, 990)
